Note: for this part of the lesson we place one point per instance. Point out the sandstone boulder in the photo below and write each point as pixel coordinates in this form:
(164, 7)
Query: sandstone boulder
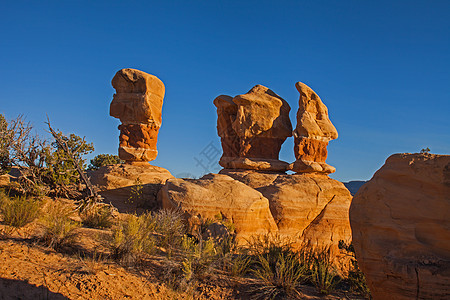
(313, 132)
(214, 195)
(138, 104)
(400, 221)
(308, 209)
(252, 127)
(116, 183)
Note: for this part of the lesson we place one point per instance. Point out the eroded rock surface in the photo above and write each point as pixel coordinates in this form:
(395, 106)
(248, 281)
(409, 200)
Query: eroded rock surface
(252, 127)
(216, 194)
(307, 208)
(313, 132)
(401, 228)
(137, 103)
(117, 181)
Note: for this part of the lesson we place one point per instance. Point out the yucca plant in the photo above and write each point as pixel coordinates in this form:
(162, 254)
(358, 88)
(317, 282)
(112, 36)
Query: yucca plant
(323, 273)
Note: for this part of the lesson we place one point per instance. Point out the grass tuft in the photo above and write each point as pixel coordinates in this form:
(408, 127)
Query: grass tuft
(18, 211)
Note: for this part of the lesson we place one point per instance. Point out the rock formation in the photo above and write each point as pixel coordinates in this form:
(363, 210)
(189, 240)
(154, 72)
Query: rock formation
(216, 194)
(252, 127)
(400, 221)
(307, 208)
(117, 181)
(138, 104)
(313, 132)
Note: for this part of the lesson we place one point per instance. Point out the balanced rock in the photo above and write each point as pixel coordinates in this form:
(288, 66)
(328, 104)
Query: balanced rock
(307, 208)
(400, 221)
(252, 127)
(216, 194)
(313, 132)
(117, 182)
(137, 103)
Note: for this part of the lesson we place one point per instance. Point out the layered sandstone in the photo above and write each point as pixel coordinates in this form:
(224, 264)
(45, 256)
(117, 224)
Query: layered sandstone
(116, 183)
(252, 127)
(401, 228)
(216, 194)
(313, 132)
(138, 104)
(307, 208)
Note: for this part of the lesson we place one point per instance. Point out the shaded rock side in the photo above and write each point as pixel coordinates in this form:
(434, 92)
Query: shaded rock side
(311, 209)
(401, 228)
(138, 104)
(216, 194)
(117, 181)
(312, 133)
(252, 127)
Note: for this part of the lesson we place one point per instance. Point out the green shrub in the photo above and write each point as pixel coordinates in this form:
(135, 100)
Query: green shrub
(133, 238)
(20, 210)
(355, 278)
(323, 273)
(97, 216)
(280, 269)
(136, 192)
(102, 160)
(59, 229)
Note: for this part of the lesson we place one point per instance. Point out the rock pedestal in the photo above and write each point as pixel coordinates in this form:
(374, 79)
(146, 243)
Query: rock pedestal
(400, 221)
(138, 104)
(252, 127)
(313, 132)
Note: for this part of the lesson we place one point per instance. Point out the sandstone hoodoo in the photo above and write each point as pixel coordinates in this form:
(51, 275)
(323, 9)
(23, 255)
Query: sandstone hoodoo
(400, 221)
(252, 127)
(137, 103)
(313, 132)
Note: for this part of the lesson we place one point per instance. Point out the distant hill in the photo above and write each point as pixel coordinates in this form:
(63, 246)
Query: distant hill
(353, 186)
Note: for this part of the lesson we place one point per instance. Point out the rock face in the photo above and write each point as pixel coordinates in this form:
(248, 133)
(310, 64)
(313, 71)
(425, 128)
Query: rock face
(401, 228)
(215, 195)
(252, 128)
(117, 181)
(308, 208)
(313, 132)
(138, 104)
(303, 208)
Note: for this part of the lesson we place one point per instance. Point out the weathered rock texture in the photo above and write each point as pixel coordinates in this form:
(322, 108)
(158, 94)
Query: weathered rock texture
(313, 132)
(252, 128)
(117, 181)
(401, 228)
(138, 104)
(308, 208)
(215, 195)
(302, 208)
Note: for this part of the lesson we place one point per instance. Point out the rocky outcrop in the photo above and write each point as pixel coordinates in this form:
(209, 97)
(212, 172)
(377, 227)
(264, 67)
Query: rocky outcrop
(214, 195)
(303, 208)
(116, 183)
(138, 104)
(313, 132)
(252, 128)
(307, 208)
(400, 221)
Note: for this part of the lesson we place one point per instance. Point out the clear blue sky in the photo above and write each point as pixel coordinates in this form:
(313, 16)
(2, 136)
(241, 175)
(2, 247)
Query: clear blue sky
(381, 67)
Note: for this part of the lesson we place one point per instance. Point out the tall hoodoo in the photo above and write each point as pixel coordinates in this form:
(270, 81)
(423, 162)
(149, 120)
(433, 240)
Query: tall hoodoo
(138, 104)
(313, 132)
(252, 127)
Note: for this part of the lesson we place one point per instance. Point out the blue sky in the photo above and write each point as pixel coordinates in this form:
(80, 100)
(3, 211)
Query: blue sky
(381, 67)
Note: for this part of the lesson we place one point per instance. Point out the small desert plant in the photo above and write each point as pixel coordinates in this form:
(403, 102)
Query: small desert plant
(133, 238)
(136, 191)
(199, 256)
(19, 210)
(59, 229)
(355, 278)
(97, 216)
(425, 150)
(323, 273)
(240, 264)
(281, 272)
(102, 160)
(170, 228)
